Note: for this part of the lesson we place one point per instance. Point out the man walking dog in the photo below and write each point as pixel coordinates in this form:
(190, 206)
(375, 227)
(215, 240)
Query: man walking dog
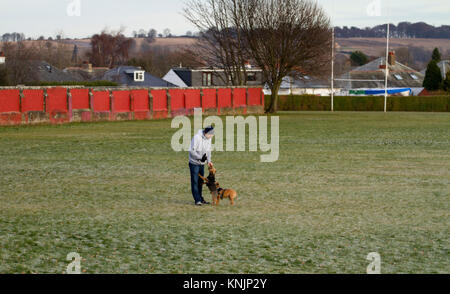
(199, 155)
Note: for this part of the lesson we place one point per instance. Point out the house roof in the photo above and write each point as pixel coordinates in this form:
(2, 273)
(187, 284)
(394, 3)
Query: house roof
(184, 74)
(123, 75)
(372, 75)
(84, 75)
(175, 79)
(304, 82)
(44, 72)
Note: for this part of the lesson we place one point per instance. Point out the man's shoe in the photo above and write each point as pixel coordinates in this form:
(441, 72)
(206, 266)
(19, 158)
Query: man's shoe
(198, 204)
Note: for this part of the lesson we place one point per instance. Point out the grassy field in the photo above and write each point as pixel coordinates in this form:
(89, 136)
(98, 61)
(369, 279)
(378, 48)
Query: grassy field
(346, 184)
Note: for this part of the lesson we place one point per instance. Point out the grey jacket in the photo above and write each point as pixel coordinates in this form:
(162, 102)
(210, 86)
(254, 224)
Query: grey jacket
(200, 145)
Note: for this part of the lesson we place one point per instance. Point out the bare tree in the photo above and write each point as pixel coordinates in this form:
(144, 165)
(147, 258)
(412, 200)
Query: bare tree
(19, 60)
(167, 33)
(158, 60)
(220, 43)
(151, 36)
(109, 49)
(285, 37)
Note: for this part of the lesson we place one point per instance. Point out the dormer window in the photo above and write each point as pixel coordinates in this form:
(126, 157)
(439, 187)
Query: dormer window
(207, 79)
(139, 76)
(398, 77)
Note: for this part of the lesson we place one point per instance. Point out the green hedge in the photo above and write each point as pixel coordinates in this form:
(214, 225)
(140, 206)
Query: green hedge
(363, 103)
(85, 84)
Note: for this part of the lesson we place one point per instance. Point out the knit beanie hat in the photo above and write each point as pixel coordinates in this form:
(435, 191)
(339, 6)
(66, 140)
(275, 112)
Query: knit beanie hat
(209, 130)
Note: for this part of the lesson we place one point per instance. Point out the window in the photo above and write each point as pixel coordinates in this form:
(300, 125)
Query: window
(207, 79)
(398, 77)
(414, 77)
(251, 77)
(139, 76)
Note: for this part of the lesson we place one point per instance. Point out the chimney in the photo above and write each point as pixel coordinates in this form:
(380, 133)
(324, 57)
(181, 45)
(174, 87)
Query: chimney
(391, 59)
(2, 57)
(87, 66)
(248, 65)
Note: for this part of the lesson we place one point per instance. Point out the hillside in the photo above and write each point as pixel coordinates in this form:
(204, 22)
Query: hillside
(370, 46)
(373, 46)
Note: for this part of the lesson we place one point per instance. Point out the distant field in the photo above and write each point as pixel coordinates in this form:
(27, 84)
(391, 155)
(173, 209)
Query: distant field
(346, 184)
(370, 46)
(373, 46)
(84, 44)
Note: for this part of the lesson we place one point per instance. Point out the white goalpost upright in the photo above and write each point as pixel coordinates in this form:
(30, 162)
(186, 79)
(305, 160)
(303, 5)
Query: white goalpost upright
(356, 80)
(387, 68)
(332, 70)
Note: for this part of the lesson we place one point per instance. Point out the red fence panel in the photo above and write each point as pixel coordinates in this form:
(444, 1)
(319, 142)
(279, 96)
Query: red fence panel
(239, 97)
(193, 99)
(159, 100)
(159, 104)
(80, 98)
(57, 106)
(224, 98)
(177, 100)
(209, 98)
(9, 101)
(33, 100)
(140, 100)
(57, 100)
(140, 104)
(254, 96)
(101, 101)
(122, 102)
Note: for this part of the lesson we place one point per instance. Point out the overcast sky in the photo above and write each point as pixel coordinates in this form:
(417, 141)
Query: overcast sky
(48, 17)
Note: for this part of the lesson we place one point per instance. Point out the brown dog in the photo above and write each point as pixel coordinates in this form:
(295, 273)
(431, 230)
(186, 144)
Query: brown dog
(210, 182)
(225, 193)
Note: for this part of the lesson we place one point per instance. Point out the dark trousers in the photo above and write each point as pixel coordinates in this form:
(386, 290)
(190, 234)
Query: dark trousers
(196, 181)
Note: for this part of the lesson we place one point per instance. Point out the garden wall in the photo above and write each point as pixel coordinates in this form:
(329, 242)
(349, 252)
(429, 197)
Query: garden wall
(29, 105)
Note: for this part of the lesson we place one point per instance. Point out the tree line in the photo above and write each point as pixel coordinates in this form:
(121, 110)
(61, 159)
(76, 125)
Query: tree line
(402, 30)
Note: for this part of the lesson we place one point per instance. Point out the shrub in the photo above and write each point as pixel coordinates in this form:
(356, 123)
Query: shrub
(363, 103)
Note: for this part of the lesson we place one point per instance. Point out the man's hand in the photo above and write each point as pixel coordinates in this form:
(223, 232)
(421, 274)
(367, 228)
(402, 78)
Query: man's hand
(210, 164)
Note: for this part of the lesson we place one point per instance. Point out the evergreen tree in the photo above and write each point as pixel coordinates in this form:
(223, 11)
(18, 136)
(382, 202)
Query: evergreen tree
(446, 83)
(359, 58)
(436, 55)
(433, 78)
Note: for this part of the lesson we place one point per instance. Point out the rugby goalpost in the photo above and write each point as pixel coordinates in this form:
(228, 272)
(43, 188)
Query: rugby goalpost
(355, 80)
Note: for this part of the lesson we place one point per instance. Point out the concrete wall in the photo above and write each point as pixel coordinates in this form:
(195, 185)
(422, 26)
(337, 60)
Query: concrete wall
(30, 105)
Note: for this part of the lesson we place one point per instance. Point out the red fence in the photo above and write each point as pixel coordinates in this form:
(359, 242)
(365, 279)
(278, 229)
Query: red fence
(61, 105)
